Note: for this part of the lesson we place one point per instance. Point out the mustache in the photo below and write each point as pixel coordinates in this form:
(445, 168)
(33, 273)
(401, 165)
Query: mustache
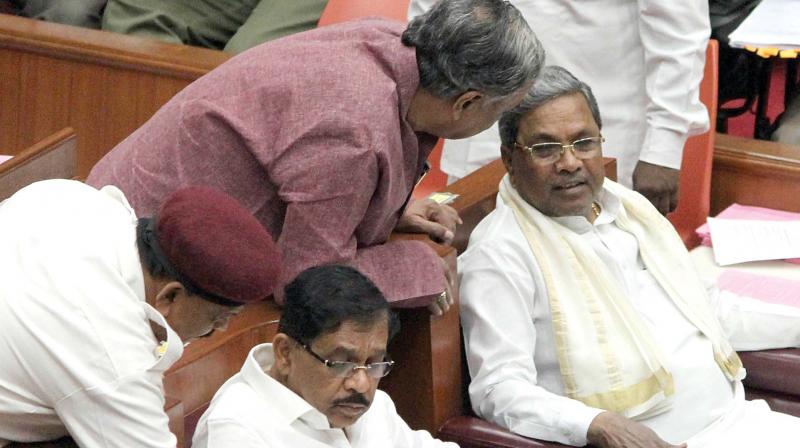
(355, 399)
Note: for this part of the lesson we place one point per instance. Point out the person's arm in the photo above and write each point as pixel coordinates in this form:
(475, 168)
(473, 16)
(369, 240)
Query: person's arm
(751, 324)
(327, 180)
(674, 36)
(497, 306)
(399, 431)
(327, 199)
(128, 412)
(224, 433)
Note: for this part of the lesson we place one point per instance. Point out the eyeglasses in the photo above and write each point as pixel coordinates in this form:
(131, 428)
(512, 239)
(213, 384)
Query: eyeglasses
(346, 369)
(584, 148)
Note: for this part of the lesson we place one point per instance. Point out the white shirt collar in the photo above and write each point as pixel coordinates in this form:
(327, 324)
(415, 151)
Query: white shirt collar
(610, 206)
(254, 372)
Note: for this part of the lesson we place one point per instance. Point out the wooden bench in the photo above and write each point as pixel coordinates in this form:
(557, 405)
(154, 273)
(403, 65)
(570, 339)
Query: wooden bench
(103, 85)
(52, 158)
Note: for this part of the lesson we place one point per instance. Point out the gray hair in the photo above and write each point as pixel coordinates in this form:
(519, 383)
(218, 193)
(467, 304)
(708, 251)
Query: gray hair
(553, 82)
(481, 45)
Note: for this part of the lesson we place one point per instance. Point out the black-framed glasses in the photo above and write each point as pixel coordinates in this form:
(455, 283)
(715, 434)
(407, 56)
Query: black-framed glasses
(583, 148)
(346, 369)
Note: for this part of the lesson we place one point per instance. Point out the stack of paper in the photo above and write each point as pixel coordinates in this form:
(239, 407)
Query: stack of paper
(4, 158)
(748, 213)
(738, 241)
(772, 24)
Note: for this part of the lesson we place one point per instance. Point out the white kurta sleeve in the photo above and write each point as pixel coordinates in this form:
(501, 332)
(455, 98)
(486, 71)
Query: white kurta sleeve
(674, 36)
(126, 413)
(405, 437)
(498, 294)
(417, 7)
(751, 324)
(229, 433)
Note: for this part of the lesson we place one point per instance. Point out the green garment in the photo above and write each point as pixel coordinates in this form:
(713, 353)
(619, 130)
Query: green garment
(230, 25)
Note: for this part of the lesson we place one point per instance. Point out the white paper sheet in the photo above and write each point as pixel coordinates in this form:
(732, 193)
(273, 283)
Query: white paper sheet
(772, 24)
(737, 241)
(4, 158)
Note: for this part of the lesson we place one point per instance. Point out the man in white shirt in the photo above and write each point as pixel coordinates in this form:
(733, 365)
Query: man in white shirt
(95, 304)
(645, 59)
(315, 385)
(584, 319)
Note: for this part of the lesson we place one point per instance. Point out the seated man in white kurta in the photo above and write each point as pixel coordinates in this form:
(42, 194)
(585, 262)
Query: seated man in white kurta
(583, 317)
(95, 305)
(315, 385)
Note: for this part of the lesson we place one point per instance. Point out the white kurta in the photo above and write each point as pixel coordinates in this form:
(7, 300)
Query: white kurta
(516, 381)
(643, 60)
(77, 351)
(253, 410)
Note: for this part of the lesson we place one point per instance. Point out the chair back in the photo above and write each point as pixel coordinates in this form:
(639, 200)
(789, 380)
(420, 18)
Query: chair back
(337, 11)
(694, 199)
(55, 157)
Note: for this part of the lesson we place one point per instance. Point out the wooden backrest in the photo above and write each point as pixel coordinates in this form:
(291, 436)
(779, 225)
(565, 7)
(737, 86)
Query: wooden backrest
(342, 10)
(103, 85)
(52, 158)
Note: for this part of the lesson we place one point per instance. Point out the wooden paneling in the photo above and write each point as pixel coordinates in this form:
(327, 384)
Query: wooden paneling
(755, 172)
(103, 85)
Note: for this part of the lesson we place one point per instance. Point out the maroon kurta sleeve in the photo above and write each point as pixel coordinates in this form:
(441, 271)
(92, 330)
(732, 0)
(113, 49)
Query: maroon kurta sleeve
(326, 182)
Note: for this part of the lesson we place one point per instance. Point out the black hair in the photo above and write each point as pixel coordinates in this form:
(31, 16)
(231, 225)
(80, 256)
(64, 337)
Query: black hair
(321, 298)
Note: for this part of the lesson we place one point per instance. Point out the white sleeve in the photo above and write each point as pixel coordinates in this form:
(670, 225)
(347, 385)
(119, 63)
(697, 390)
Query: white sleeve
(417, 7)
(674, 35)
(404, 437)
(497, 301)
(229, 433)
(128, 412)
(752, 324)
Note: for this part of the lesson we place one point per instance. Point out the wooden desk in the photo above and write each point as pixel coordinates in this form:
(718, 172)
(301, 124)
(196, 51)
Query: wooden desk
(755, 172)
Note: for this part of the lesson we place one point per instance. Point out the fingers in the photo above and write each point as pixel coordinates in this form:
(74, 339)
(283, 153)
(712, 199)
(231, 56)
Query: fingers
(440, 305)
(658, 184)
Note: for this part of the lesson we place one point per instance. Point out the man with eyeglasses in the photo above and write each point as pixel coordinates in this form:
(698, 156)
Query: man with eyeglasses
(316, 384)
(584, 319)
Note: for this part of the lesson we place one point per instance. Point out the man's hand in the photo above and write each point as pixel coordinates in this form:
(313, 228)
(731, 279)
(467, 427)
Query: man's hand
(657, 183)
(442, 303)
(610, 430)
(426, 216)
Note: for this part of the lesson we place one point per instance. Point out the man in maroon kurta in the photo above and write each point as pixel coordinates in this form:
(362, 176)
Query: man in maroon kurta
(314, 135)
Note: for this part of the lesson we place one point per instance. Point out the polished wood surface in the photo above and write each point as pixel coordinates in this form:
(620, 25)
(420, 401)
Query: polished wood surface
(104, 85)
(755, 172)
(52, 158)
(426, 381)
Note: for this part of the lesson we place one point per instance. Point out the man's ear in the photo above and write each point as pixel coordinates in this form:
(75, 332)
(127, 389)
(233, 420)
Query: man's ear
(507, 155)
(167, 295)
(465, 101)
(282, 346)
